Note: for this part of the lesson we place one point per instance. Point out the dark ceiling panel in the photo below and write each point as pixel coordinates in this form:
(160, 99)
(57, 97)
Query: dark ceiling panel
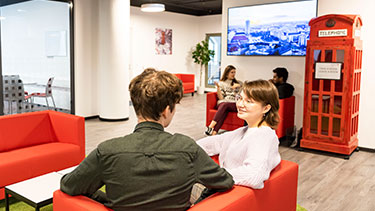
(9, 2)
(189, 7)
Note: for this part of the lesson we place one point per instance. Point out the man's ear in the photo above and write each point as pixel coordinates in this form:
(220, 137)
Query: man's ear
(164, 113)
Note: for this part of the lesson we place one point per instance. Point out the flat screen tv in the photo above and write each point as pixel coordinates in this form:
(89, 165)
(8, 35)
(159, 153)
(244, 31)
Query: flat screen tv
(278, 29)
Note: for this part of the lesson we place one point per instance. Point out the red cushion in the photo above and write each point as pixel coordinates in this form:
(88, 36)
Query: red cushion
(286, 112)
(188, 87)
(188, 82)
(36, 160)
(34, 127)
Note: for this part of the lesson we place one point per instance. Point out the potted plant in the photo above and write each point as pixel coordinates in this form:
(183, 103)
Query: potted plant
(202, 55)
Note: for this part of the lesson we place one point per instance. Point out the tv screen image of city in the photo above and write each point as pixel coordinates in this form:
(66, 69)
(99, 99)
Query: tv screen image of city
(280, 29)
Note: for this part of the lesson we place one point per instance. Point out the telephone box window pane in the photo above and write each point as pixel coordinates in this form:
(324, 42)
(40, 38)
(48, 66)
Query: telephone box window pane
(338, 84)
(336, 127)
(314, 124)
(340, 55)
(337, 102)
(328, 56)
(314, 103)
(317, 55)
(327, 85)
(325, 105)
(325, 123)
(315, 83)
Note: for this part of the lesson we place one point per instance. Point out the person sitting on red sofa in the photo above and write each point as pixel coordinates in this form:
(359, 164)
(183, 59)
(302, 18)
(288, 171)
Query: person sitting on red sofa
(251, 152)
(227, 89)
(280, 76)
(149, 169)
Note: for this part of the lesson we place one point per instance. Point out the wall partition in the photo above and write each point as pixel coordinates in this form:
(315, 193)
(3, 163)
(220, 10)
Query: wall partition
(36, 62)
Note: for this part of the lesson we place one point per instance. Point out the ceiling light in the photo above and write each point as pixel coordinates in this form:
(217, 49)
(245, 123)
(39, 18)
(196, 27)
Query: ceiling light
(152, 7)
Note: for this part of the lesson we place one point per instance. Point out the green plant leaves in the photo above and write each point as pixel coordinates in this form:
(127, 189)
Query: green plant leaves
(202, 55)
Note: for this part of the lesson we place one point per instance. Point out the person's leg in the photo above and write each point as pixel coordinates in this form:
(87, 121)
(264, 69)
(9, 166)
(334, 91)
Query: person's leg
(210, 128)
(222, 113)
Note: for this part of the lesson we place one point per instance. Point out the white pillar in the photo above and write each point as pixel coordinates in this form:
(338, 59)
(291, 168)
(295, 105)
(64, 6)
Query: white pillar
(113, 59)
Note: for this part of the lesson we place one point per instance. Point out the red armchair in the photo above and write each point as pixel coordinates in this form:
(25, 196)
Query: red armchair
(36, 143)
(188, 82)
(232, 122)
(279, 194)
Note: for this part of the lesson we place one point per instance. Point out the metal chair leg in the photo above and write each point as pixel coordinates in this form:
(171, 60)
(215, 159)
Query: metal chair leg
(47, 103)
(53, 101)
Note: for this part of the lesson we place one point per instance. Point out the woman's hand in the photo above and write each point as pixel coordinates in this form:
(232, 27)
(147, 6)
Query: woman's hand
(235, 86)
(216, 84)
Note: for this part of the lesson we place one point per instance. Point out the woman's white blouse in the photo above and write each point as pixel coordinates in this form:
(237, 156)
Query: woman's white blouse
(248, 154)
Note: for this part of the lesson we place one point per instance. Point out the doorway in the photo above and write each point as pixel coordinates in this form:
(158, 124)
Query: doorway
(213, 70)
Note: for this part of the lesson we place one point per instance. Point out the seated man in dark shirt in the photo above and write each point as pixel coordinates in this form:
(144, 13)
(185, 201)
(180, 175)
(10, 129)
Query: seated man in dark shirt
(280, 75)
(149, 169)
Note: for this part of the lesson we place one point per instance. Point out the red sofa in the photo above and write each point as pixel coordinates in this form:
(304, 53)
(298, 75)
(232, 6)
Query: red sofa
(36, 143)
(188, 82)
(279, 194)
(232, 122)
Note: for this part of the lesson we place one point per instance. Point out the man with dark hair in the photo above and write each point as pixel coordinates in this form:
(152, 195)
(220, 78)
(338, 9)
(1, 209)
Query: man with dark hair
(280, 75)
(149, 169)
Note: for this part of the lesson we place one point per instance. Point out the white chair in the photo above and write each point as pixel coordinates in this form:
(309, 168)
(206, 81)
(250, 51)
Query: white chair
(47, 94)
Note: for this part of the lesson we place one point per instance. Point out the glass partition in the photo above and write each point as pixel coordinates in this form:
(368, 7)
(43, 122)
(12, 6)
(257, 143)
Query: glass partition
(36, 56)
(213, 69)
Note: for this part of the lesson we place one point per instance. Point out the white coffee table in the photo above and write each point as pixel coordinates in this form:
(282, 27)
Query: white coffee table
(38, 191)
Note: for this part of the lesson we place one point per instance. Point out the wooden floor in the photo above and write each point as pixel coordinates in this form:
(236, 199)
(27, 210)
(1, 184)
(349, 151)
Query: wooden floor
(326, 182)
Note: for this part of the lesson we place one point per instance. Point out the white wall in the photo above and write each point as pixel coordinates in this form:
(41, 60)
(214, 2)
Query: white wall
(187, 31)
(250, 68)
(209, 24)
(184, 36)
(86, 57)
(366, 9)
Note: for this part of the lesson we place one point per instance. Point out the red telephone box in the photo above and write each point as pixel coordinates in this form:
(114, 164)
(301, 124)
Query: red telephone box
(332, 84)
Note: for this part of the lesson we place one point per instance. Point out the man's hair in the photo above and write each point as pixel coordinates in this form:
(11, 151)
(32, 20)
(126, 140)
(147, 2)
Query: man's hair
(264, 92)
(152, 91)
(281, 72)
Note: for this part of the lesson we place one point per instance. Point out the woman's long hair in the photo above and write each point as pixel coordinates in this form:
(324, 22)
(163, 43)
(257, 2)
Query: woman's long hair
(264, 92)
(226, 72)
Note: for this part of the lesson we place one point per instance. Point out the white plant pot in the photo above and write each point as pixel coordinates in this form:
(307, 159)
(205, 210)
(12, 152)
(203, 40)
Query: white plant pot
(200, 90)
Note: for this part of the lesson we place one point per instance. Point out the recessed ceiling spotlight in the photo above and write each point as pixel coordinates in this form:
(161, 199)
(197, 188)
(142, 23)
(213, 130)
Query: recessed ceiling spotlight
(152, 7)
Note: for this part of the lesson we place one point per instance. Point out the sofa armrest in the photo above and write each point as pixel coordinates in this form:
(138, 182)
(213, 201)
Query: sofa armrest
(279, 193)
(185, 77)
(211, 100)
(286, 112)
(69, 129)
(63, 202)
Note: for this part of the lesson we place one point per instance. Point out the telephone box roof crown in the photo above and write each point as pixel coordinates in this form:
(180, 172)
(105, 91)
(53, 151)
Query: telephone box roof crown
(351, 19)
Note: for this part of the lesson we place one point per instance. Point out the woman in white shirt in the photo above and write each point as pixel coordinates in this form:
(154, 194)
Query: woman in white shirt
(227, 89)
(250, 153)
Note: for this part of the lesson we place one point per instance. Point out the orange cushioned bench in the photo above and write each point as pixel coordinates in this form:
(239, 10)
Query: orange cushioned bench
(188, 82)
(36, 143)
(279, 194)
